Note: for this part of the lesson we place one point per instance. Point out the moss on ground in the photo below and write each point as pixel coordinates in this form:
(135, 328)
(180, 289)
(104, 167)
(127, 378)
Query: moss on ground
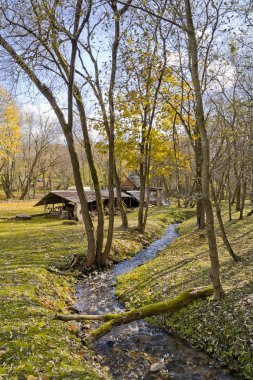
(223, 329)
(33, 345)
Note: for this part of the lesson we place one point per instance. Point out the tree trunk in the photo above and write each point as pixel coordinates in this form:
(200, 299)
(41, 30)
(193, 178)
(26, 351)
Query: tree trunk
(158, 308)
(109, 238)
(200, 203)
(34, 187)
(30, 175)
(229, 200)
(166, 187)
(142, 197)
(120, 203)
(238, 196)
(110, 132)
(94, 176)
(200, 121)
(175, 152)
(244, 191)
(7, 177)
(222, 228)
(91, 251)
(148, 158)
(251, 185)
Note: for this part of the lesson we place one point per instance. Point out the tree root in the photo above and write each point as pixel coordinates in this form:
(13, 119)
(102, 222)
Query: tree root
(112, 320)
(76, 261)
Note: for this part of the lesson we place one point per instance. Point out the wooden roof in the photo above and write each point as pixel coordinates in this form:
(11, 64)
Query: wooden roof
(132, 182)
(136, 194)
(134, 177)
(67, 196)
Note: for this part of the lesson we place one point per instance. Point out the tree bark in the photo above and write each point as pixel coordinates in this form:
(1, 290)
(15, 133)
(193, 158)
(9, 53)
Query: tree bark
(120, 203)
(238, 196)
(7, 177)
(243, 197)
(229, 200)
(222, 228)
(91, 251)
(142, 193)
(200, 203)
(200, 121)
(94, 176)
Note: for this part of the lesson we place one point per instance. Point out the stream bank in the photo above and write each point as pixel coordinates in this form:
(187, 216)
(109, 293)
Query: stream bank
(139, 350)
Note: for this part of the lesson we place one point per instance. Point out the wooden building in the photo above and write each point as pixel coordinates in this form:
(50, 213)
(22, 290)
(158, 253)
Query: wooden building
(131, 186)
(62, 202)
(131, 183)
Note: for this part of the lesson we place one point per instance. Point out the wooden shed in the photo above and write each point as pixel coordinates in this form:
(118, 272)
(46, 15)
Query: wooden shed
(60, 202)
(131, 183)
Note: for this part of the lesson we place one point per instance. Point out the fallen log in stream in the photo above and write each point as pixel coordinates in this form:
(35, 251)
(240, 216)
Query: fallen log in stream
(112, 320)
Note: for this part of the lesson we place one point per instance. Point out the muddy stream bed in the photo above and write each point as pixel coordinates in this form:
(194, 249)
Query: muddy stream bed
(139, 350)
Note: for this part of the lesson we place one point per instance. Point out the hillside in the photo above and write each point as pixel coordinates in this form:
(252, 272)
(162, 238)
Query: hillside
(223, 329)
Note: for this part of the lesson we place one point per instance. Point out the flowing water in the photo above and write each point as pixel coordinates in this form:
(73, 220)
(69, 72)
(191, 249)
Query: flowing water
(139, 350)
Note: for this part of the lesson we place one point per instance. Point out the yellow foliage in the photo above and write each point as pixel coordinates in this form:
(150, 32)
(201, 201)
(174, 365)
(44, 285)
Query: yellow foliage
(9, 126)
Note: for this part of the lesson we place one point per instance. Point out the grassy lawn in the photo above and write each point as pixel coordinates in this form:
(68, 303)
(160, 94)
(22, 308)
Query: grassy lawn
(33, 345)
(12, 208)
(224, 329)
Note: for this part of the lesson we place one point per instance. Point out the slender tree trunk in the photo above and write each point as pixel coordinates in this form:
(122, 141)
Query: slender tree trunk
(94, 176)
(175, 152)
(8, 177)
(91, 251)
(25, 189)
(244, 191)
(251, 189)
(112, 168)
(120, 203)
(221, 225)
(142, 197)
(221, 193)
(28, 181)
(229, 200)
(178, 188)
(238, 196)
(200, 121)
(143, 172)
(233, 195)
(167, 190)
(111, 201)
(200, 202)
(34, 187)
(147, 187)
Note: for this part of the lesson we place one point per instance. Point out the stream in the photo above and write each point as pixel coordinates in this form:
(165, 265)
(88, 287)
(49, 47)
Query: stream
(139, 350)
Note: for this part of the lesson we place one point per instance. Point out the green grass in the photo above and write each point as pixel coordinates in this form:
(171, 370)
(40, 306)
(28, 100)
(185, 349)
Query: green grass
(224, 329)
(12, 208)
(129, 242)
(32, 344)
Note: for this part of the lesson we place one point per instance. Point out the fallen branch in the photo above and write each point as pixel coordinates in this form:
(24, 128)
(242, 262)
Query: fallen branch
(112, 320)
(85, 317)
(57, 271)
